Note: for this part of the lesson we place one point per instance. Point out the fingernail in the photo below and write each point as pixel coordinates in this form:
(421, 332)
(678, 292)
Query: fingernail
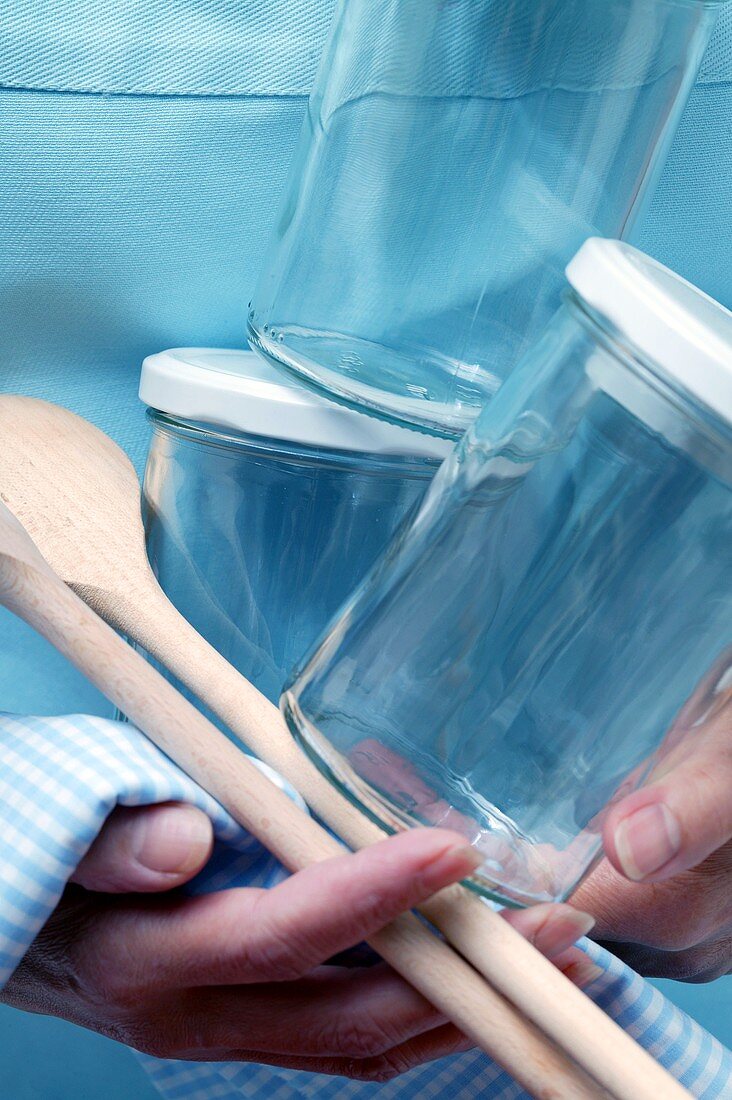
(583, 973)
(453, 864)
(173, 840)
(583, 923)
(560, 930)
(646, 841)
(567, 928)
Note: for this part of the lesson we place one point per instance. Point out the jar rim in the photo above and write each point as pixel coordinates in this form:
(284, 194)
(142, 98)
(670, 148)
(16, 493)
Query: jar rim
(239, 390)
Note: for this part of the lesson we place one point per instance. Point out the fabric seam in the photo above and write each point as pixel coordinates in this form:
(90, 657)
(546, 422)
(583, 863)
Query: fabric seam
(10, 86)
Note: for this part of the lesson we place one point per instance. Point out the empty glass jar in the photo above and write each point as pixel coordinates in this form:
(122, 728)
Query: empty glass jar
(264, 504)
(455, 155)
(520, 652)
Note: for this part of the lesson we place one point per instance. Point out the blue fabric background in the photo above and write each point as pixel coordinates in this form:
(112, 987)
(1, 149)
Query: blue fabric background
(144, 146)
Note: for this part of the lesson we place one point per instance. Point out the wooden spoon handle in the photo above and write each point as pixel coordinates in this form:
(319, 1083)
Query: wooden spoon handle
(503, 956)
(428, 963)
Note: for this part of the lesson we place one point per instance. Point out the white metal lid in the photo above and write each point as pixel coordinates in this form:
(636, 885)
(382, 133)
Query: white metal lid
(242, 391)
(683, 331)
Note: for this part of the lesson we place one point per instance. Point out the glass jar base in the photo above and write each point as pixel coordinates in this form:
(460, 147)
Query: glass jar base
(386, 815)
(445, 405)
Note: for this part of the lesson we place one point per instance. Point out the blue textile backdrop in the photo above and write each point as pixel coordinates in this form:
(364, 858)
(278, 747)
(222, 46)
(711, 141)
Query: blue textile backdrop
(144, 147)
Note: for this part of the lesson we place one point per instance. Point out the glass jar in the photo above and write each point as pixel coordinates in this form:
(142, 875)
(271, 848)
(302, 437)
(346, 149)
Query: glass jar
(515, 660)
(455, 155)
(264, 504)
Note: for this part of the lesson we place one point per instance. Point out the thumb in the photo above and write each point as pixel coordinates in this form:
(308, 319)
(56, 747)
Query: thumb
(147, 849)
(683, 815)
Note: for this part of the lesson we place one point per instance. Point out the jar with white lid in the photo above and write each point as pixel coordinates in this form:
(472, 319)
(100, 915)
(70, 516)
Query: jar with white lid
(265, 504)
(531, 639)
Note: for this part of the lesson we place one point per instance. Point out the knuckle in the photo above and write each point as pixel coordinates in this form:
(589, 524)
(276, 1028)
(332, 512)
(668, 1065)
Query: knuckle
(272, 956)
(278, 949)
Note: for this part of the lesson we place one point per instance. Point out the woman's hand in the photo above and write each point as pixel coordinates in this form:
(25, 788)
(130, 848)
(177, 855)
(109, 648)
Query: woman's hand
(663, 897)
(244, 974)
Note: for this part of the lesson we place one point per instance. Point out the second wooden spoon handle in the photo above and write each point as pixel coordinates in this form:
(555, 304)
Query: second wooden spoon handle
(503, 956)
(150, 701)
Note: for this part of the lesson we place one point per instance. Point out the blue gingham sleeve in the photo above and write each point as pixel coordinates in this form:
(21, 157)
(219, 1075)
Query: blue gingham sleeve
(59, 780)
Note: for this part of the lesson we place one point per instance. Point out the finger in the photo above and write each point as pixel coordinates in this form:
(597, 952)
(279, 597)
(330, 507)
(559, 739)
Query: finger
(440, 1043)
(703, 963)
(672, 916)
(550, 928)
(578, 967)
(335, 904)
(683, 815)
(335, 1012)
(147, 848)
(553, 929)
(242, 936)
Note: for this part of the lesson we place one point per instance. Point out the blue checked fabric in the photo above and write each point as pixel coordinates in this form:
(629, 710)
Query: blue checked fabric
(60, 779)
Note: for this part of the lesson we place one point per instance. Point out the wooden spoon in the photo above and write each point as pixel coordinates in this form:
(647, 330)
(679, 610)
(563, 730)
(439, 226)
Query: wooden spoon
(30, 589)
(78, 495)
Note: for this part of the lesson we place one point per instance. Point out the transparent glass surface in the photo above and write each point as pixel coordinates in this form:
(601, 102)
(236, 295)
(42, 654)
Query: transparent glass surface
(522, 650)
(455, 155)
(258, 542)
